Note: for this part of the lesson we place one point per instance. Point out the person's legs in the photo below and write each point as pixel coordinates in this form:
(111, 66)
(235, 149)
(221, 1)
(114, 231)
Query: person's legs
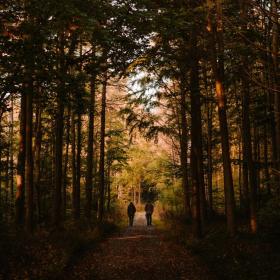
(150, 219)
(131, 220)
(147, 218)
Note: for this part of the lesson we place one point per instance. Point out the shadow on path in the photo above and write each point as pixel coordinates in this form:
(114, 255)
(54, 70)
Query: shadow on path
(138, 252)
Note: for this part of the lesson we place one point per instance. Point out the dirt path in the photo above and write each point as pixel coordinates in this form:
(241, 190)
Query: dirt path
(139, 252)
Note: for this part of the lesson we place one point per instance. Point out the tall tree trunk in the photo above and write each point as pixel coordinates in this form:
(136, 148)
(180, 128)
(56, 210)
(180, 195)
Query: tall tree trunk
(12, 151)
(20, 179)
(58, 160)
(209, 156)
(79, 151)
(29, 160)
(196, 142)
(37, 157)
(276, 78)
(109, 187)
(240, 174)
(74, 167)
(1, 206)
(7, 180)
(184, 149)
(66, 159)
(209, 127)
(90, 149)
(248, 169)
(256, 160)
(247, 154)
(102, 151)
(218, 70)
(266, 164)
(59, 129)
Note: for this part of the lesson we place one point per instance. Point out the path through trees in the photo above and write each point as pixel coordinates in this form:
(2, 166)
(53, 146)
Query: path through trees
(138, 252)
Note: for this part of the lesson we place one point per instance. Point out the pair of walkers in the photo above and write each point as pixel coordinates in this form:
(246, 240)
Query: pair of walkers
(149, 209)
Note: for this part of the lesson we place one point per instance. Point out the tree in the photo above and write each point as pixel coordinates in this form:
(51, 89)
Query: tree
(102, 151)
(218, 70)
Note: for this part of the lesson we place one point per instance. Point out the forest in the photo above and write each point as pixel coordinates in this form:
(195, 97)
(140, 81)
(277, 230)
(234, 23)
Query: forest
(169, 102)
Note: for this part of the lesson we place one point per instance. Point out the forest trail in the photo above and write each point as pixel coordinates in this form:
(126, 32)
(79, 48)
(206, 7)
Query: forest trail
(138, 252)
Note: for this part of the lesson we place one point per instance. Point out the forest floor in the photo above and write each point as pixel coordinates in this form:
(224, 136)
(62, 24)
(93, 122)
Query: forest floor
(137, 252)
(243, 257)
(164, 251)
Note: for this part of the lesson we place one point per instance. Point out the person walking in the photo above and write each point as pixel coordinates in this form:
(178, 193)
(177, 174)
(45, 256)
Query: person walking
(131, 212)
(149, 209)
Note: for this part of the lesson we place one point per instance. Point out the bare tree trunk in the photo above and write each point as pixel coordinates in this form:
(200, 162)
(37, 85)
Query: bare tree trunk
(196, 148)
(58, 161)
(276, 76)
(66, 159)
(29, 160)
(59, 129)
(90, 149)
(248, 169)
(7, 180)
(248, 157)
(109, 187)
(218, 70)
(74, 167)
(95, 192)
(1, 206)
(266, 165)
(240, 175)
(37, 157)
(79, 151)
(102, 151)
(209, 118)
(20, 194)
(184, 149)
(12, 151)
(210, 157)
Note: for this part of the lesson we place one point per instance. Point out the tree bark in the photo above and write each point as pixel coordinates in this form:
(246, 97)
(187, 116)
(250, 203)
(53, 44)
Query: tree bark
(109, 187)
(59, 128)
(79, 151)
(249, 174)
(266, 164)
(20, 178)
(58, 160)
(184, 149)
(102, 151)
(247, 155)
(196, 142)
(218, 70)
(210, 157)
(66, 159)
(275, 75)
(90, 149)
(37, 157)
(12, 151)
(29, 222)
(74, 167)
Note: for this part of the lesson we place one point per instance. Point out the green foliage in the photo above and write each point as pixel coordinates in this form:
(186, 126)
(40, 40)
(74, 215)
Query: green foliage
(149, 191)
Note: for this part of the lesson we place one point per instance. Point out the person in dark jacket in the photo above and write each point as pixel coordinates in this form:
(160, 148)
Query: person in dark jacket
(131, 212)
(149, 209)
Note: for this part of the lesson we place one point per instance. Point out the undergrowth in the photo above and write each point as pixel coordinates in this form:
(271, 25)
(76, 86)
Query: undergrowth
(243, 257)
(46, 254)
